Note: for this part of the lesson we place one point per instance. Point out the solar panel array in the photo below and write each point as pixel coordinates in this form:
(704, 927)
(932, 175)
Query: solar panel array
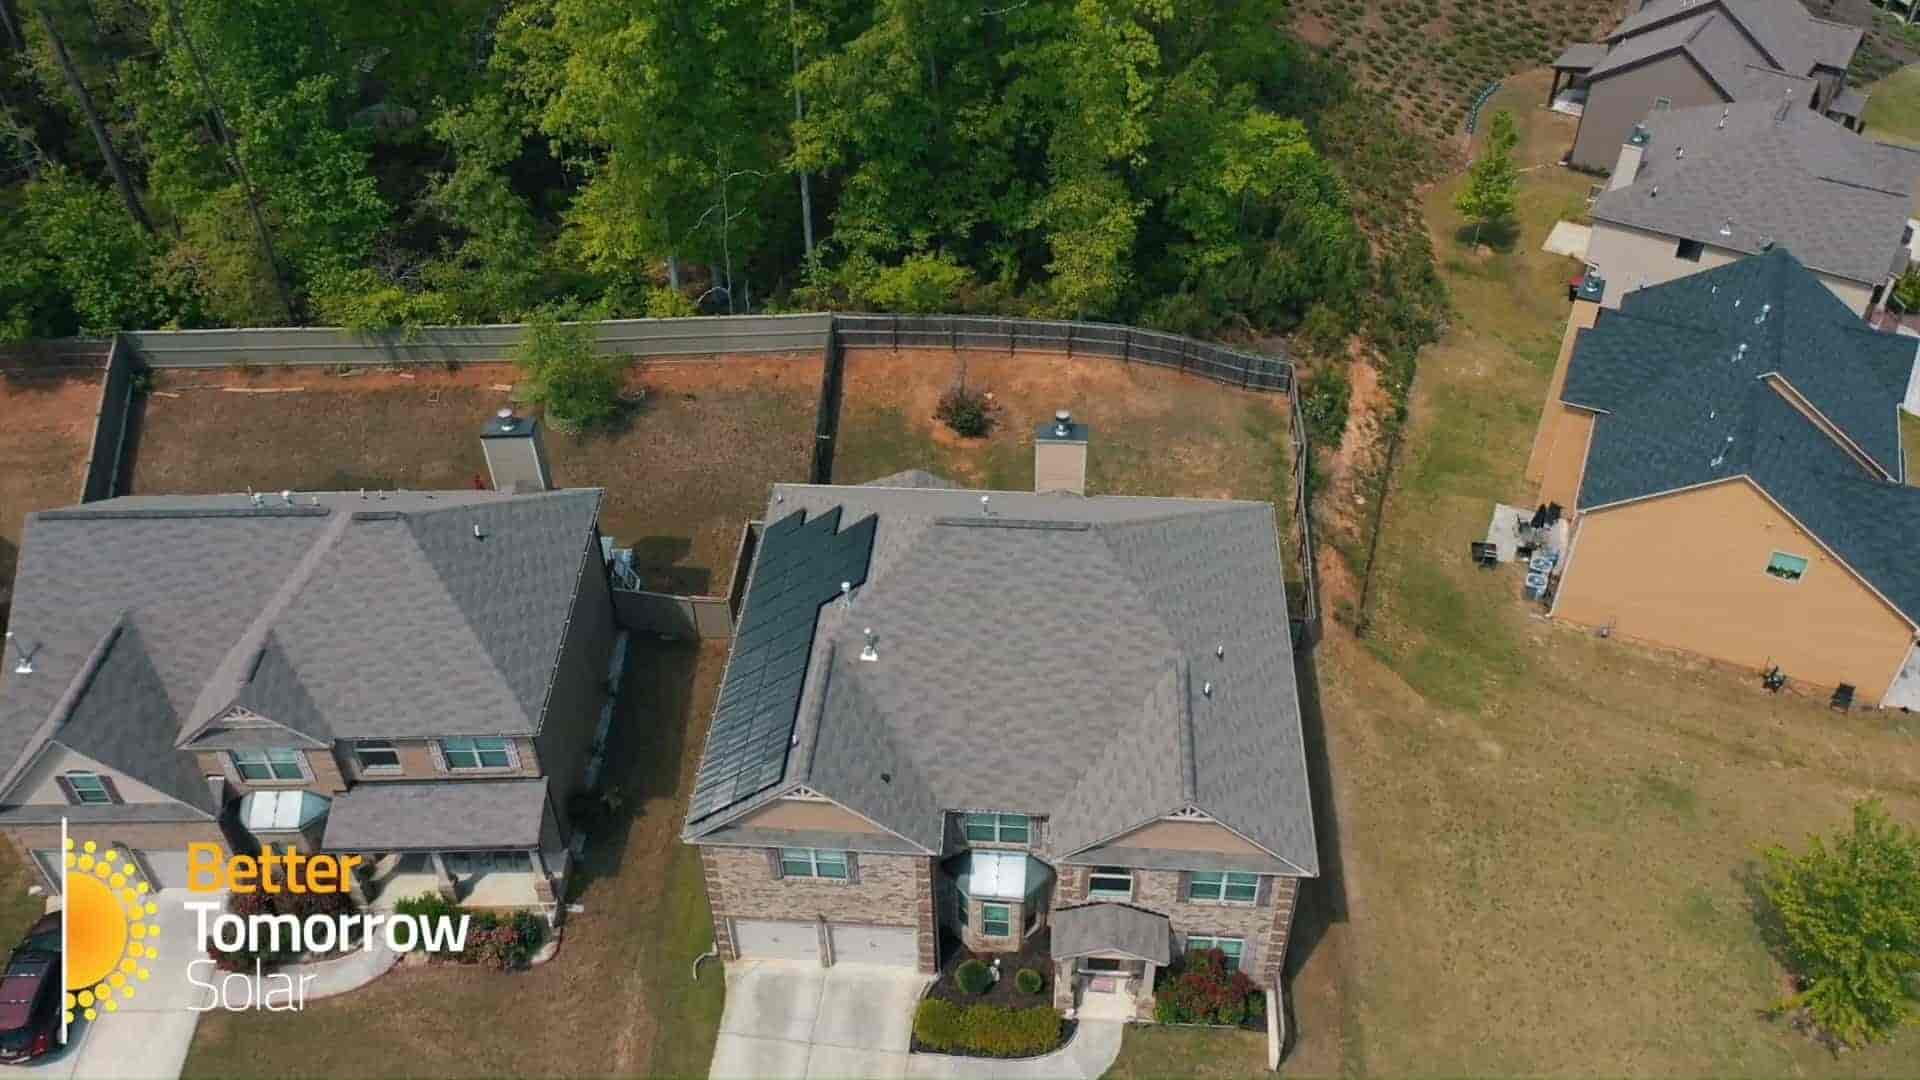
(799, 567)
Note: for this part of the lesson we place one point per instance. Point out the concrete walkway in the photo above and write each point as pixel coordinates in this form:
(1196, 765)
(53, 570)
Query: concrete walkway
(350, 972)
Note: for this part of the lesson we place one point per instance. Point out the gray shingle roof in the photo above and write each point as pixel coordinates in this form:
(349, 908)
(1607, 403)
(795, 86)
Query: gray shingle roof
(912, 478)
(445, 815)
(1771, 171)
(1111, 928)
(1685, 408)
(1052, 659)
(1788, 36)
(342, 616)
(1581, 55)
(1713, 41)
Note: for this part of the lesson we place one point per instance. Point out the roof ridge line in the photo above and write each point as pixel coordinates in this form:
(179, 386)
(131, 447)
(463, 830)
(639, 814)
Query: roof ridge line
(1189, 783)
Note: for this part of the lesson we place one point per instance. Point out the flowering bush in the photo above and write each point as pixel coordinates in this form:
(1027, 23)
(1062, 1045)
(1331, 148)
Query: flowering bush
(244, 959)
(1200, 990)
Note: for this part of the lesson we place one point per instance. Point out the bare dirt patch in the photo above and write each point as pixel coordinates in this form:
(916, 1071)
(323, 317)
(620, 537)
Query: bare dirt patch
(684, 468)
(48, 424)
(1154, 431)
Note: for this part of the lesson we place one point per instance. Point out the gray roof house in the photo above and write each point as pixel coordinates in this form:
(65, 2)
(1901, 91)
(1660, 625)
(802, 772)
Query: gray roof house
(1744, 491)
(1672, 54)
(409, 675)
(1700, 187)
(954, 714)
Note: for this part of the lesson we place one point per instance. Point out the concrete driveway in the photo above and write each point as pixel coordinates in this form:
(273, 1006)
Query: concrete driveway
(148, 1038)
(787, 1021)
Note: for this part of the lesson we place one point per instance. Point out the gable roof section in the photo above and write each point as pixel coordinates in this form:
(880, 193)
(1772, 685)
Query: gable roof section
(1786, 35)
(1047, 658)
(1738, 176)
(343, 616)
(1684, 408)
(1711, 40)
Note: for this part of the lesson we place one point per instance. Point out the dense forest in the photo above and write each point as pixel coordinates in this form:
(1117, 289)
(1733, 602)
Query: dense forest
(1182, 163)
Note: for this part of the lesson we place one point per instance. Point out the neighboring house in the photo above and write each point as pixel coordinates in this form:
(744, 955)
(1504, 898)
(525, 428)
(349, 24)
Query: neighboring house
(1731, 441)
(411, 676)
(976, 716)
(1675, 54)
(1699, 188)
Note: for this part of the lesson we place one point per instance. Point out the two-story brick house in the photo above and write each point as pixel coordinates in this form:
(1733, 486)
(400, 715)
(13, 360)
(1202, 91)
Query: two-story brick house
(413, 676)
(973, 716)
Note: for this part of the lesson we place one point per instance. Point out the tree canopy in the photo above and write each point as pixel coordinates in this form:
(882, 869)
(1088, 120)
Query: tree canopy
(263, 162)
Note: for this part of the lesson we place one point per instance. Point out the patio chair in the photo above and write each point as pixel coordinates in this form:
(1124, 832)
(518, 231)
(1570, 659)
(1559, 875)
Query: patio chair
(1485, 555)
(1842, 699)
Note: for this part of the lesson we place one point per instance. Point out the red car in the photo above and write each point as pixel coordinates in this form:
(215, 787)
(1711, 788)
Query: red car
(29, 1005)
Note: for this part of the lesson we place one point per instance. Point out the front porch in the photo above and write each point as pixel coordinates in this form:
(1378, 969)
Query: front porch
(486, 879)
(1105, 958)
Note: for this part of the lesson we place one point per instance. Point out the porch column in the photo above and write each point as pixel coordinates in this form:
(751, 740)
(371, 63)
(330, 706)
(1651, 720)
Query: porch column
(449, 888)
(1063, 984)
(542, 882)
(1143, 991)
(1554, 90)
(357, 880)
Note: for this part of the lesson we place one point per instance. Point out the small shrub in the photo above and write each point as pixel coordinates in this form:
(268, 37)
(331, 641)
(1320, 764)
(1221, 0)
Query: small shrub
(972, 977)
(937, 1025)
(965, 411)
(1324, 398)
(577, 387)
(427, 906)
(1029, 981)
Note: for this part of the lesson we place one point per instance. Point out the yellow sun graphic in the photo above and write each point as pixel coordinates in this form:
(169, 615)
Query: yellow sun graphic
(110, 934)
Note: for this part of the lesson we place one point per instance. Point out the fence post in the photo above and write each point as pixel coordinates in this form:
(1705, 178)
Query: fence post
(1070, 329)
(896, 333)
(1126, 345)
(953, 336)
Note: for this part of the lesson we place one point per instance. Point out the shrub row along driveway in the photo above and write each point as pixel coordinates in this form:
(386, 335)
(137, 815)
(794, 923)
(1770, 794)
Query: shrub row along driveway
(787, 1020)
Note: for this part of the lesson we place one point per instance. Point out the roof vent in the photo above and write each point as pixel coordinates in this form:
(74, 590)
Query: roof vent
(287, 497)
(25, 666)
(986, 505)
(1654, 192)
(1220, 651)
(846, 594)
(1726, 227)
(257, 499)
(868, 652)
(478, 533)
(1206, 689)
(1062, 423)
(1724, 112)
(1679, 152)
(1766, 243)
(1765, 310)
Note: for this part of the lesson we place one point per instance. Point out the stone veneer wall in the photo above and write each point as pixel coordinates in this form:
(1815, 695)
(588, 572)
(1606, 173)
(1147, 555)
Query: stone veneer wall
(1264, 926)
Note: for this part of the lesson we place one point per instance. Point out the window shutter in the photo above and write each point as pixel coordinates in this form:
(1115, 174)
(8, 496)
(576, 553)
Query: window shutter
(853, 868)
(113, 793)
(1264, 898)
(66, 790)
(773, 863)
(1185, 886)
(439, 759)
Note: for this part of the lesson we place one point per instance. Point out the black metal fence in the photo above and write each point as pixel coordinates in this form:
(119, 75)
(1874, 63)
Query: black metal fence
(1251, 371)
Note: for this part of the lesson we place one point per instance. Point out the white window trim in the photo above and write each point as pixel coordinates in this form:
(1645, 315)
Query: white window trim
(1116, 872)
(813, 865)
(1214, 941)
(387, 745)
(106, 797)
(1226, 878)
(1011, 923)
(507, 743)
(299, 762)
(1806, 564)
(999, 826)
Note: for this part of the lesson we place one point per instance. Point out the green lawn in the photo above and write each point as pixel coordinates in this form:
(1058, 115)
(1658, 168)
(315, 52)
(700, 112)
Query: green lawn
(1893, 112)
(1542, 837)
(617, 1000)
(1189, 1054)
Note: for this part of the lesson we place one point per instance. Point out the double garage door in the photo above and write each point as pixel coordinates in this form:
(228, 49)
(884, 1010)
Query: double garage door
(766, 939)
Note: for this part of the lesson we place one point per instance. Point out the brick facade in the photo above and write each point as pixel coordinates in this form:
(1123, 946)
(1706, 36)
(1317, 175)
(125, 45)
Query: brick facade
(892, 890)
(1263, 926)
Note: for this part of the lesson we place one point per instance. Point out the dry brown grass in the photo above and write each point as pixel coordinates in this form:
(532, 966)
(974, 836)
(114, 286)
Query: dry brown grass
(1539, 839)
(684, 469)
(46, 422)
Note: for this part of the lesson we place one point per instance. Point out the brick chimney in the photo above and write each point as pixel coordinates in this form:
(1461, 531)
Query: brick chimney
(1060, 455)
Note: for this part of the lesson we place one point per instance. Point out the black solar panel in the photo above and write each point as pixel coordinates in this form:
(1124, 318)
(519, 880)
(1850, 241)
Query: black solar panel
(799, 567)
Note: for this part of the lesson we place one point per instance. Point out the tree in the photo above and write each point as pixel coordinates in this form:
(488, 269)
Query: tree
(1488, 197)
(1849, 921)
(576, 386)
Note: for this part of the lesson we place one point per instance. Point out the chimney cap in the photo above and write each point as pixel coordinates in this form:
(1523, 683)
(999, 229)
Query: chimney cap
(1061, 429)
(506, 424)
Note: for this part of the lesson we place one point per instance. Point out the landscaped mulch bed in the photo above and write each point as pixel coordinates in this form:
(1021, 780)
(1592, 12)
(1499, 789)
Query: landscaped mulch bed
(1037, 954)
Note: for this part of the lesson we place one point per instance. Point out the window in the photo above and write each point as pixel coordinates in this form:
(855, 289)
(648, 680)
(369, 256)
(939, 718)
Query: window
(268, 764)
(1230, 947)
(377, 755)
(88, 788)
(1690, 250)
(998, 828)
(1661, 104)
(1787, 567)
(476, 753)
(996, 920)
(1224, 887)
(1110, 883)
(808, 862)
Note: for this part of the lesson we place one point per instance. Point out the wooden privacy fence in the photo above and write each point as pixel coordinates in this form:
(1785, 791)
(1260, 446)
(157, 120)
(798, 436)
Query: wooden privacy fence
(667, 615)
(108, 447)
